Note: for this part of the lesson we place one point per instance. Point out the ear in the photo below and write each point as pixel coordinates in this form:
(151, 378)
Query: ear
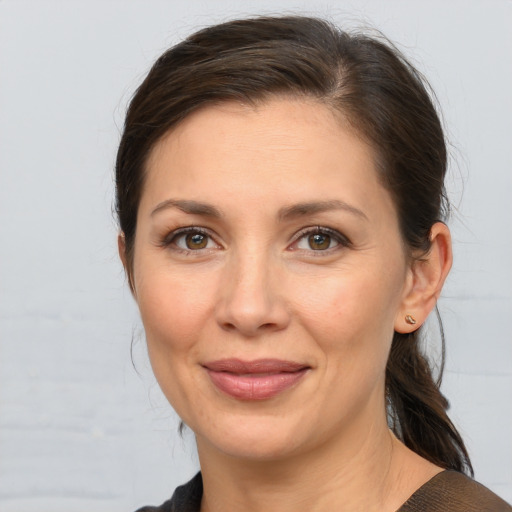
(121, 247)
(425, 280)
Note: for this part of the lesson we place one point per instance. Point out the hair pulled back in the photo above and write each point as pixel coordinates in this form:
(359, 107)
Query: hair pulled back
(383, 98)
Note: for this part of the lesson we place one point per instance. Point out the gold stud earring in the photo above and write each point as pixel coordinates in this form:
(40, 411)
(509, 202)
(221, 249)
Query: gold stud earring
(410, 319)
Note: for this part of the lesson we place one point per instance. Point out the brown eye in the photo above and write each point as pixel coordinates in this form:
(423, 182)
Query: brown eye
(319, 241)
(196, 240)
(190, 240)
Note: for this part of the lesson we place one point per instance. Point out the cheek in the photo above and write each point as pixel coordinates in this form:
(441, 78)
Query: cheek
(350, 316)
(175, 313)
(335, 299)
(172, 310)
(174, 304)
(352, 328)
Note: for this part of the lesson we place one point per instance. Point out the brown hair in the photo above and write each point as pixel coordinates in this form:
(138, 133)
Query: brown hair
(387, 103)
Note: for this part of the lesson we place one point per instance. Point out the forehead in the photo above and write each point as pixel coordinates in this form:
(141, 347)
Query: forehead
(283, 149)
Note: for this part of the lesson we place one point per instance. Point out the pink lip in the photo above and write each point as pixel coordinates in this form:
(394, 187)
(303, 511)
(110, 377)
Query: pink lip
(254, 380)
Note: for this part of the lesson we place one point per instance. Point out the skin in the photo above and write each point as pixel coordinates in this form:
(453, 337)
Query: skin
(255, 287)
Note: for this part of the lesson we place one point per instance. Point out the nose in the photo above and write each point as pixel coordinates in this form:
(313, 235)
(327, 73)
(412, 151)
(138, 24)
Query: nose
(251, 301)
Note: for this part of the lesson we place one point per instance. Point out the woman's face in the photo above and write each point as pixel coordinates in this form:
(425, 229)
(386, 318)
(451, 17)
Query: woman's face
(269, 272)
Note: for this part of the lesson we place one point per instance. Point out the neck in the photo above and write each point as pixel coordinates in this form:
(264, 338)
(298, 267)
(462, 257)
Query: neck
(367, 469)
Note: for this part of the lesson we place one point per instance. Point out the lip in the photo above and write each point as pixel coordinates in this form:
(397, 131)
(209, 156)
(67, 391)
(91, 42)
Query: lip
(255, 380)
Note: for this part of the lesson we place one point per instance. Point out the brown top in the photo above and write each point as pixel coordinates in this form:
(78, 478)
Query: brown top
(448, 491)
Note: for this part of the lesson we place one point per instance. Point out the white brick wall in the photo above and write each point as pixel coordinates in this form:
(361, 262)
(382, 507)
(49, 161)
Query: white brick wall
(79, 429)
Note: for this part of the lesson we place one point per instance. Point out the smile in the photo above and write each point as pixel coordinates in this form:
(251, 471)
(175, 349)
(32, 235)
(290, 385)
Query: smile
(254, 380)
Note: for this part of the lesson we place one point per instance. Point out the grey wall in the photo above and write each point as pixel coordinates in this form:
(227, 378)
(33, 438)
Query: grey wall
(80, 429)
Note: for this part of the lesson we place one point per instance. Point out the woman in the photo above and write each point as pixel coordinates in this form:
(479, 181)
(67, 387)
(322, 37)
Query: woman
(280, 197)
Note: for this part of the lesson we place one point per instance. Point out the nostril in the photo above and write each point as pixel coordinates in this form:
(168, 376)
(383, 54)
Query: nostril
(269, 326)
(228, 326)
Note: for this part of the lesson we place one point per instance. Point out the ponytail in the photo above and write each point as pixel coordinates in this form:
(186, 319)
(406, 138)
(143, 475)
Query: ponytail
(417, 408)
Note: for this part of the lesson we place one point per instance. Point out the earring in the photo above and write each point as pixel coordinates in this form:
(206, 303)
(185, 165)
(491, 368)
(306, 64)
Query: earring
(410, 319)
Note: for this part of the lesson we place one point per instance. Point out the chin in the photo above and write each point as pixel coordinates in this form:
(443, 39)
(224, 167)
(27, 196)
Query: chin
(258, 439)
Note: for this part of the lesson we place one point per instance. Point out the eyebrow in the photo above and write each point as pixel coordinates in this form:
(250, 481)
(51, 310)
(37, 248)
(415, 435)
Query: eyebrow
(303, 209)
(285, 213)
(188, 206)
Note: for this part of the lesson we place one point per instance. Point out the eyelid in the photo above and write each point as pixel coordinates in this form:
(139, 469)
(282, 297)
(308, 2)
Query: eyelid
(324, 230)
(342, 240)
(168, 239)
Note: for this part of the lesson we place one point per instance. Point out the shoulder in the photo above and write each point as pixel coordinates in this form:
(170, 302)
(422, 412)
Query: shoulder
(186, 498)
(450, 491)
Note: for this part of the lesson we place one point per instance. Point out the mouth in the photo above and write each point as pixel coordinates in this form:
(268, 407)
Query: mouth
(255, 380)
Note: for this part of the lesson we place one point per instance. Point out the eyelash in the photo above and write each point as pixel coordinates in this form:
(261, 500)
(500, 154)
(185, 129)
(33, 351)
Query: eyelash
(341, 240)
(171, 238)
(335, 235)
